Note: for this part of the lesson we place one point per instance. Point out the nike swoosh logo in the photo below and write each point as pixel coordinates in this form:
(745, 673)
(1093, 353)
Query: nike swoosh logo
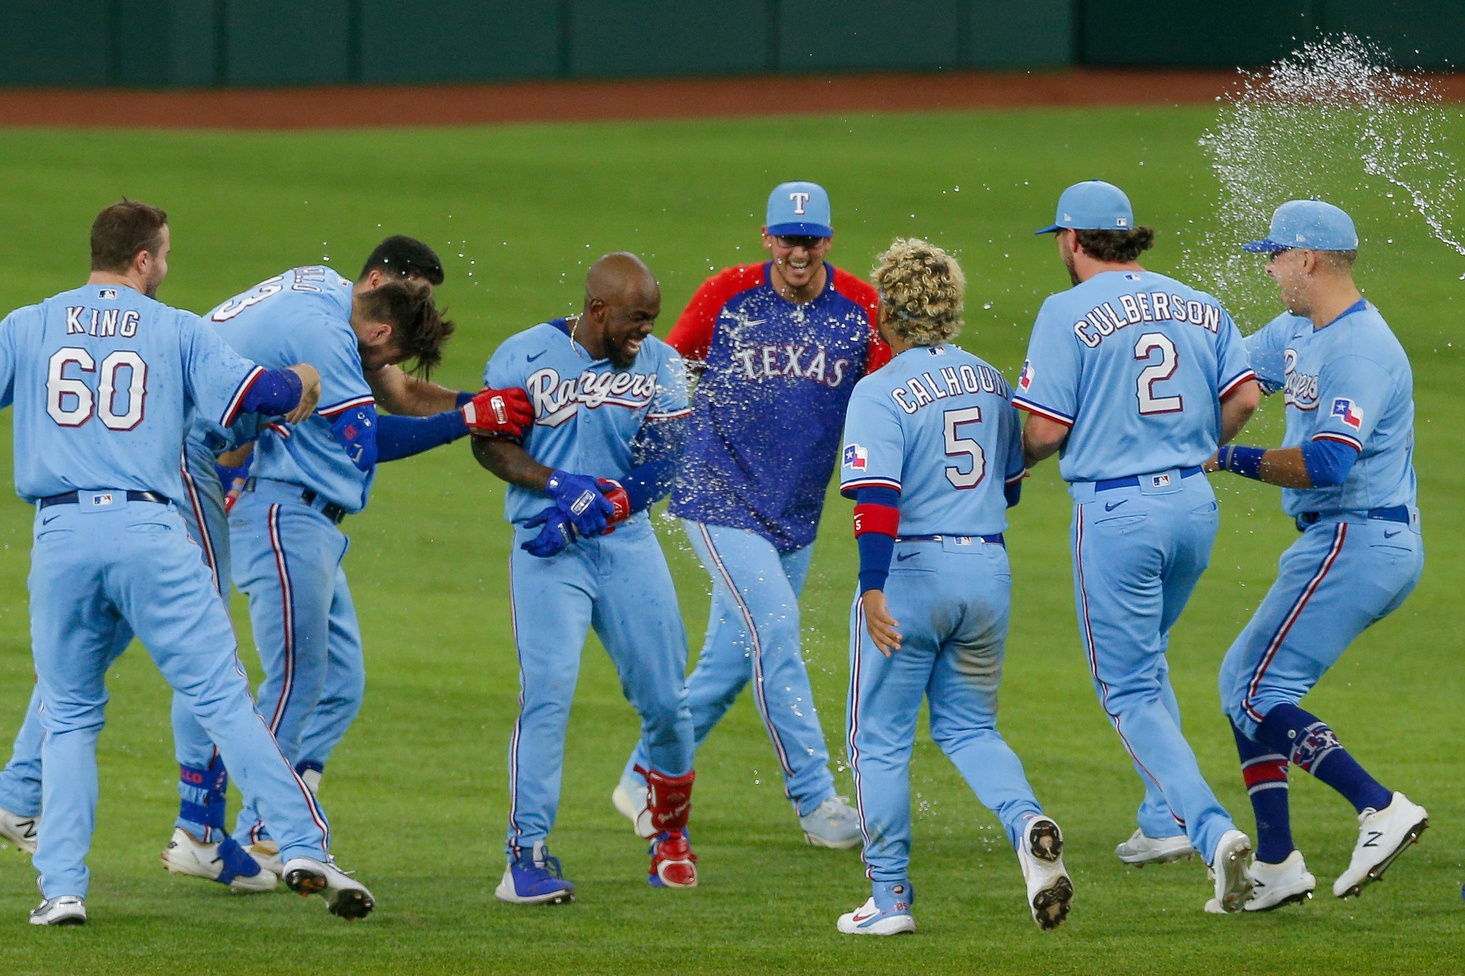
(530, 359)
(1110, 506)
(48, 521)
(1390, 535)
(863, 918)
(905, 555)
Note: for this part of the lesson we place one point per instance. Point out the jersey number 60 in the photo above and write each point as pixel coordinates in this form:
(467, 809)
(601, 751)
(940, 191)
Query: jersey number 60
(70, 402)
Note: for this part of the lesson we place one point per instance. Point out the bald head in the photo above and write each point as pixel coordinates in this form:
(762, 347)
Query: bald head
(622, 300)
(618, 278)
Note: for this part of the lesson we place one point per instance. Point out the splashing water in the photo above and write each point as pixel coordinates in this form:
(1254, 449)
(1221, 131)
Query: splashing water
(1334, 121)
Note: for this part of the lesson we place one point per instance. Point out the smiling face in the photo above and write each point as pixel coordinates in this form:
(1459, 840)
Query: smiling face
(627, 323)
(1290, 270)
(798, 265)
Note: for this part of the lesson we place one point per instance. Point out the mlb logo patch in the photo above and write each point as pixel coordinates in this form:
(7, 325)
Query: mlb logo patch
(107, 294)
(856, 457)
(1121, 222)
(1025, 378)
(101, 499)
(1160, 481)
(1345, 410)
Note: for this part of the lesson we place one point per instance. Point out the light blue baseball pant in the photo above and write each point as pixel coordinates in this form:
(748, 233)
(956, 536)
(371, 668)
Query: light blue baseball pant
(287, 560)
(951, 601)
(20, 780)
(620, 585)
(97, 574)
(753, 635)
(1344, 574)
(1138, 553)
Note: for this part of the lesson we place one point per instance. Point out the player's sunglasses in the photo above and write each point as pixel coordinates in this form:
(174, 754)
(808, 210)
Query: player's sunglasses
(807, 241)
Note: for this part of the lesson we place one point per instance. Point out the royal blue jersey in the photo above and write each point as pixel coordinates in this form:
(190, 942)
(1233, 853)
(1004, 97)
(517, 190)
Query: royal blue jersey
(775, 378)
(587, 412)
(937, 425)
(1136, 364)
(1349, 381)
(304, 316)
(103, 380)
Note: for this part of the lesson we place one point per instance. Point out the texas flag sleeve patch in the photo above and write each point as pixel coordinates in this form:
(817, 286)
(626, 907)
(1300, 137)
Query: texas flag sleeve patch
(856, 457)
(1348, 412)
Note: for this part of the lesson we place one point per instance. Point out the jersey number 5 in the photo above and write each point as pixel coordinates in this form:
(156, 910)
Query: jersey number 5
(71, 402)
(964, 447)
(1155, 372)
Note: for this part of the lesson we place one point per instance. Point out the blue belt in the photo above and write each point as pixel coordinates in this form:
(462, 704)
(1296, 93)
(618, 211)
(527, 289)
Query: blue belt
(72, 497)
(311, 497)
(1398, 513)
(995, 540)
(1133, 480)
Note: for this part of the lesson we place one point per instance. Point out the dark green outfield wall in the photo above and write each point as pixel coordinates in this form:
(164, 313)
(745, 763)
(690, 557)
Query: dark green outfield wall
(201, 43)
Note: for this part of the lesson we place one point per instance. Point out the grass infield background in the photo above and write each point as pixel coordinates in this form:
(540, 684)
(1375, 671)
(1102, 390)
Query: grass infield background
(417, 792)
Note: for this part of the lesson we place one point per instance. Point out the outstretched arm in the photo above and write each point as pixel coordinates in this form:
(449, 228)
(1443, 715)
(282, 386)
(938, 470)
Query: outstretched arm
(399, 392)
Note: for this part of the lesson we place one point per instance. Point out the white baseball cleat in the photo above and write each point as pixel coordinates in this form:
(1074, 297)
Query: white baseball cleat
(1382, 836)
(20, 831)
(833, 823)
(344, 895)
(1142, 849)
(1050, 892)
(1280, 884)
(65, 910)
(186, 855)
(886, 912)
(629, 798)
(267, 853)
(1231, 871)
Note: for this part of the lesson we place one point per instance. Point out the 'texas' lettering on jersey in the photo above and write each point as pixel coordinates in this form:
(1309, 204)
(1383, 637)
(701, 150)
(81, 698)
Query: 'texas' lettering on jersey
(1103, 320)
(775, 360)
(948, 381)
(1300, 389)
(555, 400)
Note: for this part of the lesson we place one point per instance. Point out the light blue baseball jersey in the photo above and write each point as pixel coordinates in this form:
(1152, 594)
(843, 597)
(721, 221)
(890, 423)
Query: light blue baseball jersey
(304, 316)
(587, 412)
(1136, 364)
(1349, 381)
(936, 425)
(94, 375)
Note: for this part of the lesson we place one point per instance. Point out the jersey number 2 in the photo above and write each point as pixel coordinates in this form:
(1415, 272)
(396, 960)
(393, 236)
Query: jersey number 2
(964, 447)
(1155, 372)
(70, 402)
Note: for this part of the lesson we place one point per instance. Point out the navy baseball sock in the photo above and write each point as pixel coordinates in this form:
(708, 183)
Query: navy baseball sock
(1314, 748)
(1265, 772)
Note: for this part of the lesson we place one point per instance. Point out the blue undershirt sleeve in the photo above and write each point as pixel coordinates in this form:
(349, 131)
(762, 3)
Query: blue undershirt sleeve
(658, 449)
(400, 437)
(1012, 491)
(1328, 462)
(876, 548)
(273, 392)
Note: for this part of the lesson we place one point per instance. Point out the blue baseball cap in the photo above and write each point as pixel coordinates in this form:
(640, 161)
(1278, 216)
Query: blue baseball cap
(1309, 224)
(1092, 205)
(798, 209)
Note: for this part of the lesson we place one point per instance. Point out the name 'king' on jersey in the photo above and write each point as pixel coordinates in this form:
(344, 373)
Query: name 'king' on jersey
(102, 379)
(937, 425)
(1349, 381)
(1136, 364)
(767, 411)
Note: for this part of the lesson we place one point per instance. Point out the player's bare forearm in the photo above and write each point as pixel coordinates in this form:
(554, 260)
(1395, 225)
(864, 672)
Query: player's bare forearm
(878, 621)
(1283, 467)
(410, 396)
(1237, 409)
(1041, 438)
(236, 457)
(309, 392)
(510, 462)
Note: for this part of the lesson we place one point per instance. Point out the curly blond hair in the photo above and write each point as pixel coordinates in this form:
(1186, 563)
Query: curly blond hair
(921, 287)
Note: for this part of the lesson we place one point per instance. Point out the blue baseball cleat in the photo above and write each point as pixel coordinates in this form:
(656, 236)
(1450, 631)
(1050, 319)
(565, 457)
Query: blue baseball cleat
(887, 912)
(534, 878)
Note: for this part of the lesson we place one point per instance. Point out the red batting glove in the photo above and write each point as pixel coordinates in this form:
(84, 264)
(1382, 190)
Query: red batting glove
(618, 498)
(498, 413)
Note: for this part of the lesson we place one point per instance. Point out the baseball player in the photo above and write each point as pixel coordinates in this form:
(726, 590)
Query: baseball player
(1347, 477)
(778, 346)
(609, 423)
(1137, 378)
(103, 379)
(933, 458)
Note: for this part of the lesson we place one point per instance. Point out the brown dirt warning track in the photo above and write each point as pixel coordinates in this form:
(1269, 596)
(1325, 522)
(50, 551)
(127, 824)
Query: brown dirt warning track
(369, 106)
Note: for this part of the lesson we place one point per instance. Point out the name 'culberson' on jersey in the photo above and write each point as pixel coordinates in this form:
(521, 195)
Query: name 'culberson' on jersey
(775, 379)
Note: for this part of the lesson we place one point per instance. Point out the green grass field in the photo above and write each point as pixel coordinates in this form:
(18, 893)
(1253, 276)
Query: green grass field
(417, 792)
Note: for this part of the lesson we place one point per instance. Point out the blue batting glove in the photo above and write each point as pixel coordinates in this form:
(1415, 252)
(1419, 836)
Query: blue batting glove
(579, 498)
(557, 533)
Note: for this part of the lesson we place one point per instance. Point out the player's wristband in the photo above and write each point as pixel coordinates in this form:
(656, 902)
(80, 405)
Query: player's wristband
(461, 399)
(1245, 461)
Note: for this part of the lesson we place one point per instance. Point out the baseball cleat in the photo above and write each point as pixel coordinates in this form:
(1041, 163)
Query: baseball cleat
(1280, 884)
(20, 831)
(1231, 871)
(344, 895)
(533, 877)
(1050, 892)
(886, 912)
(1142, 849)
(267, 853)
(629, 798)
(1382, 836)
(65, 910)
(833, 823)
(226, 863)
(673, 865)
